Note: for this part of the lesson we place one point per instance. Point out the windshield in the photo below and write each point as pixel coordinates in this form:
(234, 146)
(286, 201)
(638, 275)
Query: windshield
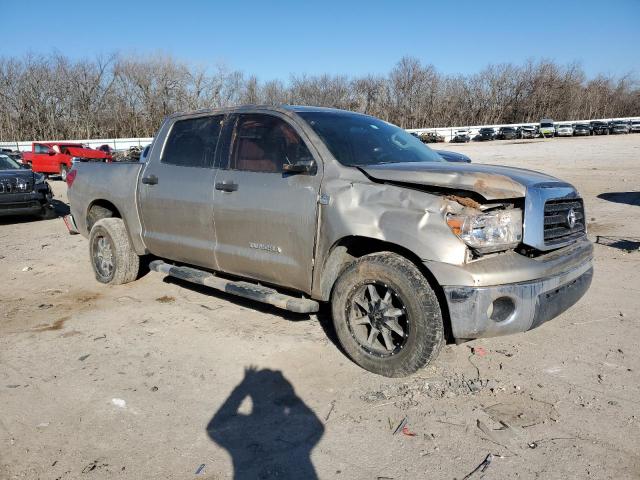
(7, 163)
(508, 129)
(356, 139)
(546, 125)
(564, 126)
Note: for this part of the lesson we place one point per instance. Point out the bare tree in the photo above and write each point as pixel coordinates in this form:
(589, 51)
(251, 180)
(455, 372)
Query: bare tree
(52, 96)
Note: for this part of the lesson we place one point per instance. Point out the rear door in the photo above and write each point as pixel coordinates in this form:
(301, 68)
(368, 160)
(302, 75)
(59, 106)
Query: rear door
(266, 219)
(176, 192)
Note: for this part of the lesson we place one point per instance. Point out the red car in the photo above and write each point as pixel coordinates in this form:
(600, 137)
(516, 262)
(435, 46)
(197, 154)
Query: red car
(57, 158)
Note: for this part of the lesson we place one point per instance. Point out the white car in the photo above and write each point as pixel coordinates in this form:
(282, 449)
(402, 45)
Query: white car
(564, 130)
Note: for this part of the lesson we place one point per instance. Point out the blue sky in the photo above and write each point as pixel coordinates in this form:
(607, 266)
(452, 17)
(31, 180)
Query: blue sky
(275, 38)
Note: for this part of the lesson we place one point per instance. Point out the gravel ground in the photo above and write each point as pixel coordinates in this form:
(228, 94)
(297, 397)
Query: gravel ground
(132, 381)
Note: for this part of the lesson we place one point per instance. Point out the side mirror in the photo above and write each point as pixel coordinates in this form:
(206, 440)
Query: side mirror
(25, 166)
(51, 152)
(302, 166)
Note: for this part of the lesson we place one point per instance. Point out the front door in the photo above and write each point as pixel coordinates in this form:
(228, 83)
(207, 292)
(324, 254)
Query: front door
(176, 192)
(41, 159)
(266, 219)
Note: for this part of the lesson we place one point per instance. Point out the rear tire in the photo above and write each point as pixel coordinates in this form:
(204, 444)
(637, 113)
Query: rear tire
(96, 213)
(386, 315)
(113, 259)
(63, 172)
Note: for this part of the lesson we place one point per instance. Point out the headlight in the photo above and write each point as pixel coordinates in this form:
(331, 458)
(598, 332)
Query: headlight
(39, 178)
(490, 231)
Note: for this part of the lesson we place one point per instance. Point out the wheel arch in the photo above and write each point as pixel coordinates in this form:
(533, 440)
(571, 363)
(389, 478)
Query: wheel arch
(99, 209)
(347, 249)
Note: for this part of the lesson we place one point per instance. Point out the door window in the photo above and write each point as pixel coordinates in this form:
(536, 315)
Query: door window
(41, 148)
(263, 143)
(192, 142)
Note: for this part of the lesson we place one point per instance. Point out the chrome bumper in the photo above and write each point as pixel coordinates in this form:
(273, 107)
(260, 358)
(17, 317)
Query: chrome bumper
(504, 309)
(509, 293)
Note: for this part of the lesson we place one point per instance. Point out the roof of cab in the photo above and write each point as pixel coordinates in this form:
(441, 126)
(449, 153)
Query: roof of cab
(276, 108)
(307, 108)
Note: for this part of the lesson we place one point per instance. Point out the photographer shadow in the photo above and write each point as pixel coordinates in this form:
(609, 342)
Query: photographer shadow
(266, 428)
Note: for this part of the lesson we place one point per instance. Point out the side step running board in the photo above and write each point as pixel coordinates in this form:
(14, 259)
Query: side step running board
(242, 289)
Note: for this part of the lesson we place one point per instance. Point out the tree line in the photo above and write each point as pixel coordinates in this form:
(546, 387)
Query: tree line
(54, 97)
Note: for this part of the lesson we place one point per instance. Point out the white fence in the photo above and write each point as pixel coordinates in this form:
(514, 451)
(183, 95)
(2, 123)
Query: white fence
(448, 133)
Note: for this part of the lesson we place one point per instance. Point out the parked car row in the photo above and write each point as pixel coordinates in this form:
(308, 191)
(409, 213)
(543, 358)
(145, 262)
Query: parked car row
(506, 133)
(597, 128)
(547, 128)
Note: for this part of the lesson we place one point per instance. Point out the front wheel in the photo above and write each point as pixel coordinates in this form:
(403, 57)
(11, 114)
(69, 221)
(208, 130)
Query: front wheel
(112, 257)
(386, 315)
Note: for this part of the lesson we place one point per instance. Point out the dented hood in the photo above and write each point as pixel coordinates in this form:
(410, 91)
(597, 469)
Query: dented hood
(490, 181)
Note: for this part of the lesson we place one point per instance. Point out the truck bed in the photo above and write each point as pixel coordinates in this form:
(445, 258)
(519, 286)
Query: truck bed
(115, 183)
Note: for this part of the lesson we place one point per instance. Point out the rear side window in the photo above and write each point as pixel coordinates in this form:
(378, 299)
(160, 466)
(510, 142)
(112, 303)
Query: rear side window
(192, 142)
(264, 143)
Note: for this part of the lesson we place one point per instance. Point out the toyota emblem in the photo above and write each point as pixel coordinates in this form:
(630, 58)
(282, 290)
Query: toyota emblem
(571, 218)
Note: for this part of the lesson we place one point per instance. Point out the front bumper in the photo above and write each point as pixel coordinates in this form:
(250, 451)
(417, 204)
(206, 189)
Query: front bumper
(30, 203)
(510, 293)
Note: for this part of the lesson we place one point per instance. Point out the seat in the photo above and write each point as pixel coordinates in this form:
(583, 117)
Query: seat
(252, 157)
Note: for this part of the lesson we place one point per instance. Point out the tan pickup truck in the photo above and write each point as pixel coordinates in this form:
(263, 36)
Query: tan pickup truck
(295, 206)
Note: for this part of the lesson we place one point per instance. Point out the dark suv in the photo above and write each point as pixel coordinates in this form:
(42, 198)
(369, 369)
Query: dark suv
(22, 191)
(581, 129)
(486, 134)
(507, 133)
(599, 128)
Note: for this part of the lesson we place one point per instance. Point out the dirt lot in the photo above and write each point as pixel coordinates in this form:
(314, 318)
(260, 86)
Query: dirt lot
(128, 381)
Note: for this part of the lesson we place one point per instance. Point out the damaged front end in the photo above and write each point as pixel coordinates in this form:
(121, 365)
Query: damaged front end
(527, 256)
(485, 228)
(543, 268)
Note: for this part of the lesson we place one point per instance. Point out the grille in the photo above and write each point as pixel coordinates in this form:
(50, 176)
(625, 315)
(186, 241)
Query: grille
(15, 185)
(560, 224)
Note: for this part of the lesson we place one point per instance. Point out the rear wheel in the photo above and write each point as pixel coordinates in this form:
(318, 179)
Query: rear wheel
(386, 315)
(63, 172)
(112, 256)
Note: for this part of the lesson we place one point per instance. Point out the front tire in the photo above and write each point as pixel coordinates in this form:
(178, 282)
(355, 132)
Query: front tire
(113, 259)
(386, 315)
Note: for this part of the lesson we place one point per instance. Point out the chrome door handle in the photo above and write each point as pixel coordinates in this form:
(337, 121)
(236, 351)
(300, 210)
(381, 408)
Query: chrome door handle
(226, 186)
